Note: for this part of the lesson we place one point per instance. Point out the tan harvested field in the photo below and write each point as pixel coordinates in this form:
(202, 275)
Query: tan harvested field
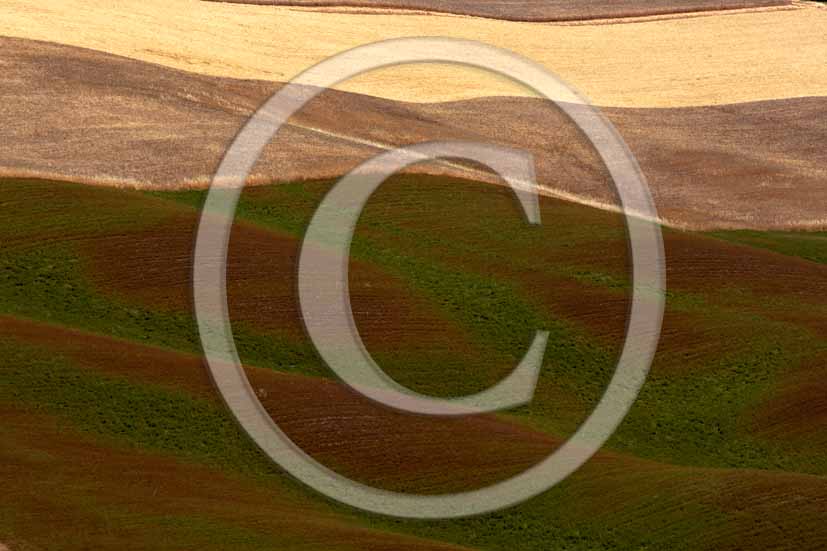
(719, 58)
(531, 10)
(111, 120)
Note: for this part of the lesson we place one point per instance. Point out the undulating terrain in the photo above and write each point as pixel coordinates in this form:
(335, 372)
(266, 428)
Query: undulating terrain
(710, 59)
(112, 120)
(534, 10)
(111, 419)
(114, 117)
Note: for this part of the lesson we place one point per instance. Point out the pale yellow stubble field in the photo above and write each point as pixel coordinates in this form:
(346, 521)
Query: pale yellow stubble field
(694, 60)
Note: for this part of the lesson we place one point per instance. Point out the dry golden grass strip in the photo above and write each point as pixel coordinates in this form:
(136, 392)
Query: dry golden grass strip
(715, 59)
(104, 119)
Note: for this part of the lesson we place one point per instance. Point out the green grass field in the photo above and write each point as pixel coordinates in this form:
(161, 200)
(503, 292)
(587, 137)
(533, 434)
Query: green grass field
(449, 285)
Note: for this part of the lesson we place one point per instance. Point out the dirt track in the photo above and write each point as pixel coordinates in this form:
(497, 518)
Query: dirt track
(718, 58)
(111, 120)
(531, 10)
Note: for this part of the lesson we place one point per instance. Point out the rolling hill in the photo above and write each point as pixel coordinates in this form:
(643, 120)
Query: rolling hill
(101, 370)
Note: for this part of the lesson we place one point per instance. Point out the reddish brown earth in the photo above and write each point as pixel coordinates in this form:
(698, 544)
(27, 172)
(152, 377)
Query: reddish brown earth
(147, 364)
(737, 508)
(262, 286)
(797, 409)
(765, 283)
(533, 10)
(261, 276)
(96, 495)
(720, 166)
(701, 264)
(326, 419)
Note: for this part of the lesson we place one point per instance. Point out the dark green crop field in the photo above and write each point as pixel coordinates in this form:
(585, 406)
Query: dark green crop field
(114, 433)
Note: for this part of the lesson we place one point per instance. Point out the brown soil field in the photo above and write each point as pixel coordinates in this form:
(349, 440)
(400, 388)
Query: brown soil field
(797, 410)
(702, 264)
(132, 490)
(262, 295)
(532, 10)
(326, 419)
(151, 127)
(685, 61)
(738, 508)
(261, 286)
(772, 285)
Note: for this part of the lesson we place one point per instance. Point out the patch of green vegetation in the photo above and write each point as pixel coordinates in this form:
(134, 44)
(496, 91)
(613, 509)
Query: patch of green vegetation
(113, 407)
(121, 412)
(41, 210)
(810, 246)
(695, 420)
(200, 532)
(480, 268)
(578, 515)
(47, 283)
(496, 309)
(473, 263)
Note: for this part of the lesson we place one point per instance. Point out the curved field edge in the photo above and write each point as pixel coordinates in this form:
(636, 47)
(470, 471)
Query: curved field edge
(720, 338)
(250, 503)
(807, 245)
(55, 230)
(688, 61)
(738, 319)
(103, 491)
(703, 164)
(531, 10)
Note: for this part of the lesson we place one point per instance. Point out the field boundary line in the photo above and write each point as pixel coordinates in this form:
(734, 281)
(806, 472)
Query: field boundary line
(597, 21)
